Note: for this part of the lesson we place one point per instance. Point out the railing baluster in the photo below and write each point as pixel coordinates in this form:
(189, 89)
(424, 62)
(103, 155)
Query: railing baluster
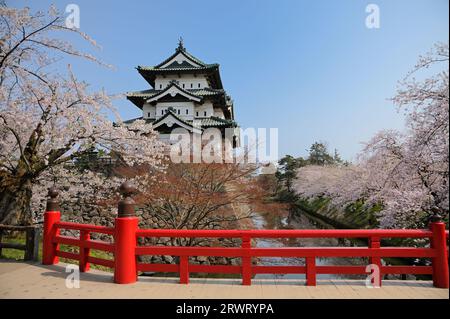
(246, 261)
(374, 242)
(126, 250)
(439, 244)
(184, 269)
(84, 251)
(125, 227)
(52, 215)
(311, 271)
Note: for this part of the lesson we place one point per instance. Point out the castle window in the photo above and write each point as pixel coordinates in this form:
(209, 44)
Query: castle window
(191, 85)
(183, 85)
(162, 112)
(199, 85)
(204, 113)
(160, 86)
(196, 113)
(187, 111)
(178, 111)
(148, 114)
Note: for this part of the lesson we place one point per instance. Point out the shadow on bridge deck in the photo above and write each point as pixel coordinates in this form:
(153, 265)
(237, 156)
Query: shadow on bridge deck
(33, 280)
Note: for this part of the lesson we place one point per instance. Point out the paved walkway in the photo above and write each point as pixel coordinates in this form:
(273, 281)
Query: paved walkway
(28, 280)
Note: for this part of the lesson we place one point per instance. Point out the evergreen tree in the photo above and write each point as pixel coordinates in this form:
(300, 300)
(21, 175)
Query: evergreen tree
(318, 155)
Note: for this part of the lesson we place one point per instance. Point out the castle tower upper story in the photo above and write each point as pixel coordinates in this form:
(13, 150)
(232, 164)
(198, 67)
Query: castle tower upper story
(185, 92)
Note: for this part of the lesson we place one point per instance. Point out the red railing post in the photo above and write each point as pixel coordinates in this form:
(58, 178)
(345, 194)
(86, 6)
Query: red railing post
(84, 251)
(126, 225)
(52, 215)
(311, 271)
(439, 244)
(184, 269)
(246, 261)
(374, 242)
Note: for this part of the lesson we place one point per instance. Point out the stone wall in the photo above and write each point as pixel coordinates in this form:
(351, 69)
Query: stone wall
(103, 216)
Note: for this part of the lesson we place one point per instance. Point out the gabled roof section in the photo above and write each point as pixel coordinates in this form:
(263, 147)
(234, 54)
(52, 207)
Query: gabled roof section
(182, 62)
(140, 97)
(203, 123)
(174, 89)
(181, 51)
(199, 92)
(170, 118)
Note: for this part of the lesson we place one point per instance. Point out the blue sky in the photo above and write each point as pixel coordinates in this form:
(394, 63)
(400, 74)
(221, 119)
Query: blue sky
(310, 68)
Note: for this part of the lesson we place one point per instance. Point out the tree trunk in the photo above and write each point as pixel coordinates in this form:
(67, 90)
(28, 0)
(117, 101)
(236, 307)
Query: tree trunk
(15, 204)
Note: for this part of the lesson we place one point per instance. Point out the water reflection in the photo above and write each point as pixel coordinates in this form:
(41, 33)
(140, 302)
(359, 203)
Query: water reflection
(300, 223)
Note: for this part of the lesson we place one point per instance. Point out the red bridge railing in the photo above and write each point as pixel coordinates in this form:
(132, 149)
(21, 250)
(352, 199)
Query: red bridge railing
(126, 250)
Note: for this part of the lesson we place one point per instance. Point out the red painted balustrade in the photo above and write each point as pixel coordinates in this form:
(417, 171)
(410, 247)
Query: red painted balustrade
(126, 250)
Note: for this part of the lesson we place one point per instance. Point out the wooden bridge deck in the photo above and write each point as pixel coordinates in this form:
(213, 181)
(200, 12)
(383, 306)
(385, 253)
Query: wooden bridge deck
(32, 280)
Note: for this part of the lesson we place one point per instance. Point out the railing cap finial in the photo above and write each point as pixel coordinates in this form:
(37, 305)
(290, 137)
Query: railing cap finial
(126, 205)
(126, 189)
(436, 217)
(53, 192)
(52, 201)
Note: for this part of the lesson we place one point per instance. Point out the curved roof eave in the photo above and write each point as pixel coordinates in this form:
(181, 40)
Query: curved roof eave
(174, 84)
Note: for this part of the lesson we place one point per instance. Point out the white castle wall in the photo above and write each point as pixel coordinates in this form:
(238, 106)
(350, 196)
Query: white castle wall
(185, 110)
(185, 81)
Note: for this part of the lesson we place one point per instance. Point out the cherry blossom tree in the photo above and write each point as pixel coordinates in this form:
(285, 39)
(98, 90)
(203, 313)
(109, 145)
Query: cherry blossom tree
(318, 181)
(48, 119)
(407, 172)
(201, 195)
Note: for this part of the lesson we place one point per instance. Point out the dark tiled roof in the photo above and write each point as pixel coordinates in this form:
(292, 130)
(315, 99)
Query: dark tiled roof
(212, 121)
(139, 97)
(150, 69)
(152, 92)
(137, 118)
(182, 50)
(212, 70)
(191, 57)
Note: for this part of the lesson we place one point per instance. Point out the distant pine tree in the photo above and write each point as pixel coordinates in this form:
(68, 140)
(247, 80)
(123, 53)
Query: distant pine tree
(319, 155)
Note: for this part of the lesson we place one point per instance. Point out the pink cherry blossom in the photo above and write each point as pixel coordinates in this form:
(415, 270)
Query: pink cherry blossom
(408, 173)
(47, 119)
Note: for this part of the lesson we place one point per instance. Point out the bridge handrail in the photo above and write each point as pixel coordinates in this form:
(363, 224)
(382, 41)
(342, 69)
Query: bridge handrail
(126, 250)
(53, 239)
(85, 227)
(288, 233)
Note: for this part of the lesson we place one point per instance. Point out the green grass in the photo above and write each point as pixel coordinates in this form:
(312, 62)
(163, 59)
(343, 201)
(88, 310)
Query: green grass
(15, 254)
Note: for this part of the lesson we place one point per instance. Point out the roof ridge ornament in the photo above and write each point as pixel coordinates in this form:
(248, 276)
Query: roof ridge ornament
(180, 44)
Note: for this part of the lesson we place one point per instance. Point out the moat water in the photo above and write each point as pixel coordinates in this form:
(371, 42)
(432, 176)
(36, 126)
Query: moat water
(301, 222)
